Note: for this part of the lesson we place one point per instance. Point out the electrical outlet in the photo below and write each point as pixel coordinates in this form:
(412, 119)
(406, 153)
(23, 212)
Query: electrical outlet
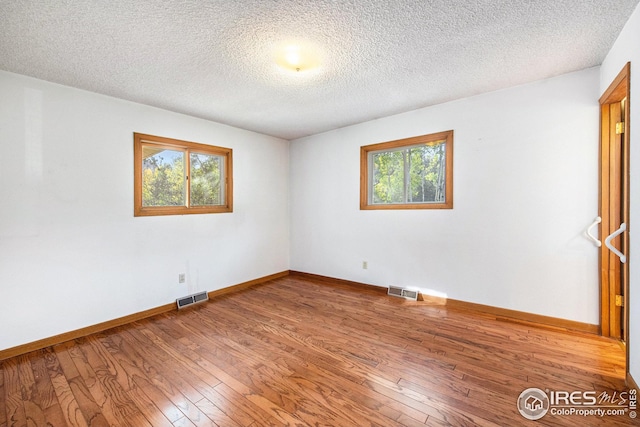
(181, 278)
(365, 265)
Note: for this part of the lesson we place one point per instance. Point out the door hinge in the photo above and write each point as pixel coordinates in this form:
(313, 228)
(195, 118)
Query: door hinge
(619, 301)
(619, 128)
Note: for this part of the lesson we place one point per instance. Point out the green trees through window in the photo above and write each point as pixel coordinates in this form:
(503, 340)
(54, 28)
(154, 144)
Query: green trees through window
(413, 173)
(206, 175)
(163, 177)
(178, 177)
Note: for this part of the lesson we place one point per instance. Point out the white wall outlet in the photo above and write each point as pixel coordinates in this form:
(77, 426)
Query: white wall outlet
(181, 278)
(365, 265)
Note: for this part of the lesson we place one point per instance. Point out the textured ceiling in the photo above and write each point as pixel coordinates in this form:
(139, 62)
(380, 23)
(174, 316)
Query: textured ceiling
(216, 59)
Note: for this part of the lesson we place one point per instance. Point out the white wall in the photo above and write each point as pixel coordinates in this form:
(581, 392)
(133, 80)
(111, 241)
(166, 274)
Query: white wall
(71, 252)
(625, 49)
(525, 188)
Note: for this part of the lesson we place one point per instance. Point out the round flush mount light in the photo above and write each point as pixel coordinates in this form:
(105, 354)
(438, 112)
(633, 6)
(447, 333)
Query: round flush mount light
(297, 57)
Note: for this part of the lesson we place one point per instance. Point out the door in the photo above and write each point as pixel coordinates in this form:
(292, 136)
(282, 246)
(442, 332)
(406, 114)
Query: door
(614, 206)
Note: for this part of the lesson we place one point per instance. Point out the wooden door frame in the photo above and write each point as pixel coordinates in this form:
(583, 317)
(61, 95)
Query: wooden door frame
(618, 90)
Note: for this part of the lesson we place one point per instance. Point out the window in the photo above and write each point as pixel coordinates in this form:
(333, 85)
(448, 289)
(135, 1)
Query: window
(412, 173)
(173, 177)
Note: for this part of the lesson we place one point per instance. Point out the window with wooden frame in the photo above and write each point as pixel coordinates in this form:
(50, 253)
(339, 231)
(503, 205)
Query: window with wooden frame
(173, 177)
(411, 173)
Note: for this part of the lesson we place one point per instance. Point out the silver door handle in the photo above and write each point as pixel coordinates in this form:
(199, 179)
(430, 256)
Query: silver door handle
(613, 235)
(597, 221)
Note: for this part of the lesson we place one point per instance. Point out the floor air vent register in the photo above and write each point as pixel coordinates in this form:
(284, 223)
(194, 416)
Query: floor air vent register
(191, 299)
(402, 293)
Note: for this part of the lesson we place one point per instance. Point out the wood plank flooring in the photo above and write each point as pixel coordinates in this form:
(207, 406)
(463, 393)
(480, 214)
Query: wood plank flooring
(298, 351)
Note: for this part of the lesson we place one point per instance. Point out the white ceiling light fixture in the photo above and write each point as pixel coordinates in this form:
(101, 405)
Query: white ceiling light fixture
(292, 57)
(297, 57)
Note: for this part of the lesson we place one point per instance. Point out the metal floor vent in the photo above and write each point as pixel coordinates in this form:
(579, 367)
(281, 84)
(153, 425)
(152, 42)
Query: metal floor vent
(192, 299)
(402, 293)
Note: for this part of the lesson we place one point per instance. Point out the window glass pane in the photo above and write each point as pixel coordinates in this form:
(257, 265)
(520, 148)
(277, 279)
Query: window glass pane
(428, 177)
(409, 175)
(388, 177)
(206, 173)
(163, 177)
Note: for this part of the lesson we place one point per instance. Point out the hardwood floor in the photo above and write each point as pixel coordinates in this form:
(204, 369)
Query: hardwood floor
(303, 352)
